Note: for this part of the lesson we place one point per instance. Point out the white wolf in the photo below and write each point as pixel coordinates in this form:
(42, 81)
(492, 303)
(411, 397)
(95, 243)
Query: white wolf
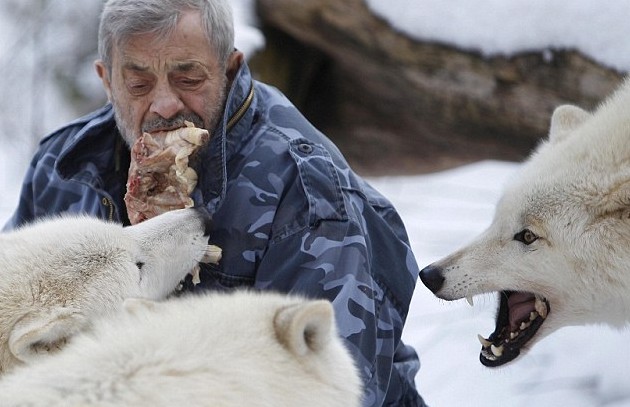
(228, 350)
(59, 275)
(558, 249)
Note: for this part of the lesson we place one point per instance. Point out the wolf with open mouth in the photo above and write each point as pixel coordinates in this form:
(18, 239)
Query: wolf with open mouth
(558, 249)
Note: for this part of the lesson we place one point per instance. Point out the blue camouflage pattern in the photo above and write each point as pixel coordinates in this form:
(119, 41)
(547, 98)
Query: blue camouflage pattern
(289, 214)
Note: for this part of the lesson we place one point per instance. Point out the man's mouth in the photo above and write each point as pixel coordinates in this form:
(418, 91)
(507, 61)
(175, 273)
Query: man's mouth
(162, 130)
(519, 318)
(159, 125)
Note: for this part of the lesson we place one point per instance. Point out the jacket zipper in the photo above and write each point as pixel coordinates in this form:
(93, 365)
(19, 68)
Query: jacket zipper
(242, 109)
(110, 205)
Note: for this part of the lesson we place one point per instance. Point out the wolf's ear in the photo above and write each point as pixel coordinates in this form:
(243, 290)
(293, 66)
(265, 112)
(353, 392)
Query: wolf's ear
(564, 120)
(615, 201)
(306, 327)
(39, 334)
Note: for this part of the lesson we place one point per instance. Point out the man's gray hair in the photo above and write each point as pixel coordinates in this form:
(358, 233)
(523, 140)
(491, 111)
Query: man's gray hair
(122, 19)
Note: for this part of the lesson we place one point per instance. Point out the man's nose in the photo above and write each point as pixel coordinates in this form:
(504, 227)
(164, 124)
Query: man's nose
(166, 102)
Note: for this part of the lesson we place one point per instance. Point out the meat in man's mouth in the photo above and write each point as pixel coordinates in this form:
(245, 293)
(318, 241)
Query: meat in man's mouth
(159, 177)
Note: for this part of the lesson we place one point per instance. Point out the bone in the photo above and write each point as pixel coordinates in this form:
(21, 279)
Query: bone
(212, 255)
(195, 274)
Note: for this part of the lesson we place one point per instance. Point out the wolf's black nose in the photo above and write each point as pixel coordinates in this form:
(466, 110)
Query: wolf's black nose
(432, 277)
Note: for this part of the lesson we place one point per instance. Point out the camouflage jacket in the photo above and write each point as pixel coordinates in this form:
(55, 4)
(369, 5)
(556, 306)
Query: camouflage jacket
(289, 214)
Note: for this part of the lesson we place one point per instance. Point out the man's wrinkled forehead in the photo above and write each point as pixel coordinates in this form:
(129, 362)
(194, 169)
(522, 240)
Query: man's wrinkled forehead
(184, 66)
(184, 48)
(142, 56)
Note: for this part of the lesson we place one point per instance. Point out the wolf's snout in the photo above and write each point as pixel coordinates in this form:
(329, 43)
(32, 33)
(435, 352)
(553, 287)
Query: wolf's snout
(432, 277)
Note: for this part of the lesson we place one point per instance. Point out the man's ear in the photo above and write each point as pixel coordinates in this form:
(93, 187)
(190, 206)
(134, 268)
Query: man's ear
(233, 65)
(104, 74)
(44, 333)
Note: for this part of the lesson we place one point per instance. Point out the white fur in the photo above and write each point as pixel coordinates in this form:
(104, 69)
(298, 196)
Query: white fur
(227, 350)
(574, 193)
(58, 275)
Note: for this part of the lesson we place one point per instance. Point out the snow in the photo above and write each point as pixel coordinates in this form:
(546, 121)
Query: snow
(248, 38)
(580, 366)
(598, 29)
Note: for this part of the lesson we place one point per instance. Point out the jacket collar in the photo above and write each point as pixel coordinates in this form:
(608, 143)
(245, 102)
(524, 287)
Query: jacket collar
(96, 146)
(230, 134)
(87, 151)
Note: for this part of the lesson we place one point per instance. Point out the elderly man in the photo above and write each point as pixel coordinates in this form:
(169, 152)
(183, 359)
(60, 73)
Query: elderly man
(289, 213)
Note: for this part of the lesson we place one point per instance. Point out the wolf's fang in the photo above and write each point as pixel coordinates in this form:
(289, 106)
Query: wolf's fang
(497, 351)
(541, 308)
(484, 342)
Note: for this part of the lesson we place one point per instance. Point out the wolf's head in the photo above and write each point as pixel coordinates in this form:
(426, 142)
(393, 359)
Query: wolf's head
(59, 274)
(558, 247)
(239, 349)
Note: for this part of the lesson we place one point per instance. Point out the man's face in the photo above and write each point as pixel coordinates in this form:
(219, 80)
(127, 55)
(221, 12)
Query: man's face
(158, 83)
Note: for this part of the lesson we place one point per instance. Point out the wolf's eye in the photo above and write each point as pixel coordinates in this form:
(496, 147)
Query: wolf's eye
(526, 236)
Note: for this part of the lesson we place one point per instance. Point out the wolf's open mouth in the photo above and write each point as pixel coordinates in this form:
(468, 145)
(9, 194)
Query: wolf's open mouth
(519, 317)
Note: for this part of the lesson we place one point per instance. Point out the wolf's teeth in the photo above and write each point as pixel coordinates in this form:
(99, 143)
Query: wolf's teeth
(524, 326)
(484, 342)
(469, 299)
(496, 351)
(488, 355)
(533, 315)
(513, 335)
(541, 307)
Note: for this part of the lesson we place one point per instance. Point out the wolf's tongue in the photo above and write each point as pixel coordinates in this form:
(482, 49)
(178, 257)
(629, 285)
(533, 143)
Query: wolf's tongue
(520, 306)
